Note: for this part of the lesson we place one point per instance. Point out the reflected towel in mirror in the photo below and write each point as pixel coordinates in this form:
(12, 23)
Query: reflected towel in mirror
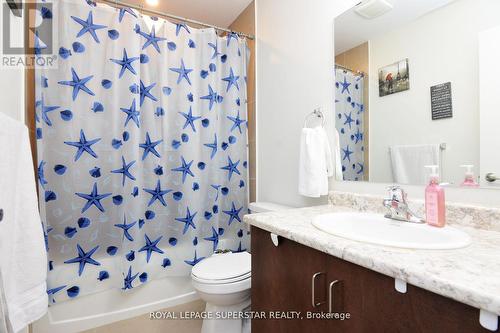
(408, 162)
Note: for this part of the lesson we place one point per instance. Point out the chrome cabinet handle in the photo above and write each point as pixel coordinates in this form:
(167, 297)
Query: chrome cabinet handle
(330, 296)
(313, 283)
(490, 177)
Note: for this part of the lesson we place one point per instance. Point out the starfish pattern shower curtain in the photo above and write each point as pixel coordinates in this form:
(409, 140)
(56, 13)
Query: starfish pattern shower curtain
(142, 148)
(349, 123)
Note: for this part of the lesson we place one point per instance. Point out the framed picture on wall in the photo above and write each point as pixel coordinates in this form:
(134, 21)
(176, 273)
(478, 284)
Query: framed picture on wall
(394, 78)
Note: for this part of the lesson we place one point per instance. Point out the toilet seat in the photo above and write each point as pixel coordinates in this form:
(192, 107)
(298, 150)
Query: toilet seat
(221, 281)
(223, 273)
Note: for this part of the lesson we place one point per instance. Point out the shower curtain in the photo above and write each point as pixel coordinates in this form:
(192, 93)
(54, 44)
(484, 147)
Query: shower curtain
(349, 123)
(142, 148)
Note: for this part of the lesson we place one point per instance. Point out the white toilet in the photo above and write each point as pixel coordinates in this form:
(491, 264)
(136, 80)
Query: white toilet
(223, 281)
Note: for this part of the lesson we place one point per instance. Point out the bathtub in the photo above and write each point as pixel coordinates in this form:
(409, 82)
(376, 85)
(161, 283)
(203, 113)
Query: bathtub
(95, 310)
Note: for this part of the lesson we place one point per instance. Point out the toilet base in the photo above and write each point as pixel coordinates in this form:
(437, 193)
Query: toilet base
(223, 325)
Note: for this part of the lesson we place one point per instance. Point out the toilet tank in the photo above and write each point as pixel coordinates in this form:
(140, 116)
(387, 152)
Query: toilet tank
(262, 207)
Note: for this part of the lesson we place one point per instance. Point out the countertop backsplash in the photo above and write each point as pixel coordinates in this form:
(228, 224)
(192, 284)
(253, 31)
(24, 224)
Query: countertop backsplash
(479, 217)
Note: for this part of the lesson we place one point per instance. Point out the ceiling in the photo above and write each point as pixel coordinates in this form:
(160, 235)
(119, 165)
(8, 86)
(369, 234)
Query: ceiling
(352, 29)
(216, 12)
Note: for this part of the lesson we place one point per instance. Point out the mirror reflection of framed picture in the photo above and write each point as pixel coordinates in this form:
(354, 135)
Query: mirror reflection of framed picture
(394, 78)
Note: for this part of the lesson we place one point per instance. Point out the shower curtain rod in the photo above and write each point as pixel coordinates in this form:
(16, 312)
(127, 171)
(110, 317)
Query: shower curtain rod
(349, 69)
(117, 3)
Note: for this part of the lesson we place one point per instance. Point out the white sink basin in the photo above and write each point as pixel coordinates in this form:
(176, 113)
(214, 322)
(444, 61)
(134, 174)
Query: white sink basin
(376, 229)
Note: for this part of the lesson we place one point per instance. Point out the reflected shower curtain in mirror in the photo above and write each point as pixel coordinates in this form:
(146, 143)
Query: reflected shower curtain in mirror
(142, 148)
(349, 123)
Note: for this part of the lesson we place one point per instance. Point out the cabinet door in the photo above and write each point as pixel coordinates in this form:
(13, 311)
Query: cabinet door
(345, 284)
(282, 281)
(375, 306)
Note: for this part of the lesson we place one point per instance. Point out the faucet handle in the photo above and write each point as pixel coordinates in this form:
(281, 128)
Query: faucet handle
(397, 193)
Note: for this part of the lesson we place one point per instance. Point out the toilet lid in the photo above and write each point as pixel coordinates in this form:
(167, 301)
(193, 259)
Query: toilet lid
(226, 266)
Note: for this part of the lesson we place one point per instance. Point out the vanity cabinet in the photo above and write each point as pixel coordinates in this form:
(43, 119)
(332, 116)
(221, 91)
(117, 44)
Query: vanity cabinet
(282, 278)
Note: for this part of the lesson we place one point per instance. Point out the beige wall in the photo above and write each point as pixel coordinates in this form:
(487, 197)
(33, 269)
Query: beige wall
(246, 23)
(358, 59)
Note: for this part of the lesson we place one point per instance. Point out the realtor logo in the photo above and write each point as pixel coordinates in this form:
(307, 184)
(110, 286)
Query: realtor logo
(28, 33)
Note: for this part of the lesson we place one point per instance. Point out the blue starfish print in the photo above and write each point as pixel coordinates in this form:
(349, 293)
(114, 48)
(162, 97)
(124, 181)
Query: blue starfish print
(231, 80)
(183, 72)
(179, 26)
(151, 39)
(213, 146)
(231, 167)
(126, 228)
(123, 11)
(129, 279)
(189, 119)
(234, 214)
(345, 86)
(239, 249)
(144, 92)
(348, 120)
(358, 136)
(237, 121)
(149, 147)
(151, 247)
(132, 114)
(347, 154)
(55, 290)
(214, 238)
(195, 260)
(157, 194)
(216, 49)
(212, 97)
(78, 84)
(88, 26)
(45, 110)
(185, 169)
(93, 198)
(83, 258)
(231, 35)
(83, 146)
(188, 221)
(126, 63)
(125, 171)
(41, 176)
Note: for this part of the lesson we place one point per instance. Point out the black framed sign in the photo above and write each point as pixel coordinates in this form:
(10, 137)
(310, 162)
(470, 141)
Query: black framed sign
(441, 102)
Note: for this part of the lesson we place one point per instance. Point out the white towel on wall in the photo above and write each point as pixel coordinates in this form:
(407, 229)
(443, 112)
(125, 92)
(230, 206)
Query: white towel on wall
(408, 162)
(23, 257)
(317, 162)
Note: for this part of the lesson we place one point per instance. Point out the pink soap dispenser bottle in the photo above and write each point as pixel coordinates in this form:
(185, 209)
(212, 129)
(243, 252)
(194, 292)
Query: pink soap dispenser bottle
(469, 180)
(435, 210)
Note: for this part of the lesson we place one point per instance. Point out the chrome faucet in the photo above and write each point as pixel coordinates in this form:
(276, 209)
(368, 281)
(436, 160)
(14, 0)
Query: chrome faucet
(397, 206)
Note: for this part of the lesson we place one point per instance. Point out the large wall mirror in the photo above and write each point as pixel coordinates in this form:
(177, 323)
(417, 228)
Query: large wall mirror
(417, 82)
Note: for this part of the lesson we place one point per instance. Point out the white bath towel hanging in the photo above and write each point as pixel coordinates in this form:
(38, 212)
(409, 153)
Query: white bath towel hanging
(317, 162)
(408, 162)
(23, 260)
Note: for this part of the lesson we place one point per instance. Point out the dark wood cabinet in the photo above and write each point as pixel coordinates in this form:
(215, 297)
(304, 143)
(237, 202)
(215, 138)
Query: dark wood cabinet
(282, 281)
(282, 278)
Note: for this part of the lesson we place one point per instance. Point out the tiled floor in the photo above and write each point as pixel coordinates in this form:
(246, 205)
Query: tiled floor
(143, 324)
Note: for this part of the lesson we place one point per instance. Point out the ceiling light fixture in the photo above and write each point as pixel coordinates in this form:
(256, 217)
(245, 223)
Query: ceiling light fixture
(371, 9)
(152, 2)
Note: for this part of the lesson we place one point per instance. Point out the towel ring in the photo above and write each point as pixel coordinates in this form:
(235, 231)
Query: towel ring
(317, 113)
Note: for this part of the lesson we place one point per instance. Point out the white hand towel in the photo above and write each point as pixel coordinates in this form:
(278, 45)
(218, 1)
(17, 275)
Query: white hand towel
(23, 257)
(315, 164)
(408, 162)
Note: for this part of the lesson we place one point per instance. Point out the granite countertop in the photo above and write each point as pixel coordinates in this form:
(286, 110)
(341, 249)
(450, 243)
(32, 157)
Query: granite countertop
(470, 275)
